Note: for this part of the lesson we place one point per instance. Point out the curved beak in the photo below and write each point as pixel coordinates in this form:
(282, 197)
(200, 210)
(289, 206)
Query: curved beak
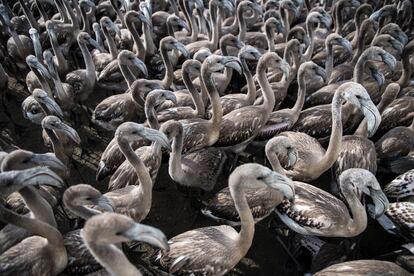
(102, 172)
(141, 65)
(378, 76)
(37, 176)
(389, 60)
(104, 203)
(403, 38)
(234, 63)
(397, 45)
(258, 8)
(70, 132)
(96, 45)
(373, 116)
(376, 15)
(148, 234)
(346, 44)
(292, 158)
(326, 21)
(48, 160)
(156, 136)
(180, 47)
(322, 73)
(115, 29)
(52, 106)
(380, 201)
(239, 44)
(281, 183)
(143, 18)
(285, 67)
(184, 25)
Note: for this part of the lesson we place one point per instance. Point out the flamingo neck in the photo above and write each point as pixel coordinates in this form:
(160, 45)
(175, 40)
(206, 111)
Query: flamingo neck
(217, 111)
(268, 95)
(245, 237)
(359, 216)
(335, 141)
(300, 101)
(251, 86)
(195, 95)
(329, 61)
(89, 64)
(175, 167)
(112, 258)
(169, 70)
(137, 40)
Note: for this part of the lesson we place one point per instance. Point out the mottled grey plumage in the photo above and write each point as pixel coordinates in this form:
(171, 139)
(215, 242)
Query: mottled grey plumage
(356, 152)
(125, 175)
(364, 268)
(262, 202)
(402, 186)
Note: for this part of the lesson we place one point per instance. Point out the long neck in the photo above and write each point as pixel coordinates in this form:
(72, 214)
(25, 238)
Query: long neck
(169, 70)
(57, 146)
(129, 77)
(113, 259)
(274, 161)
(137, 40)
(195, 95)
(85, 19)
(359, 215)
(42, 11)
(251, 86)
(358, 22)
(175, 168)
(61, 61)
(29, 15)
(151, 115)
(38, 49)
(187, 15)
(72, 16)
(339, 18)
(215, 21)
(111, 43)
(214, 96)
(89, 65)
(19, 43)
(360, 49)
(406, 73)
(268, 95)
(35, 227)
(286, 21)
(38, 205)
(43, 82)
(242, 24)
(297, 108)
(118, 13)
(62, 11)
(245, 237)
(145, 188)
(329, 60)
(78, 12)
(309, 50)
(150, 48)
(359, 70)
(335, 140)
(270, 36)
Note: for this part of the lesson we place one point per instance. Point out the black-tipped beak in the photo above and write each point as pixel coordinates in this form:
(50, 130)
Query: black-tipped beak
(48, 160)
(148, 234)
(380, 201)
(102, 171)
